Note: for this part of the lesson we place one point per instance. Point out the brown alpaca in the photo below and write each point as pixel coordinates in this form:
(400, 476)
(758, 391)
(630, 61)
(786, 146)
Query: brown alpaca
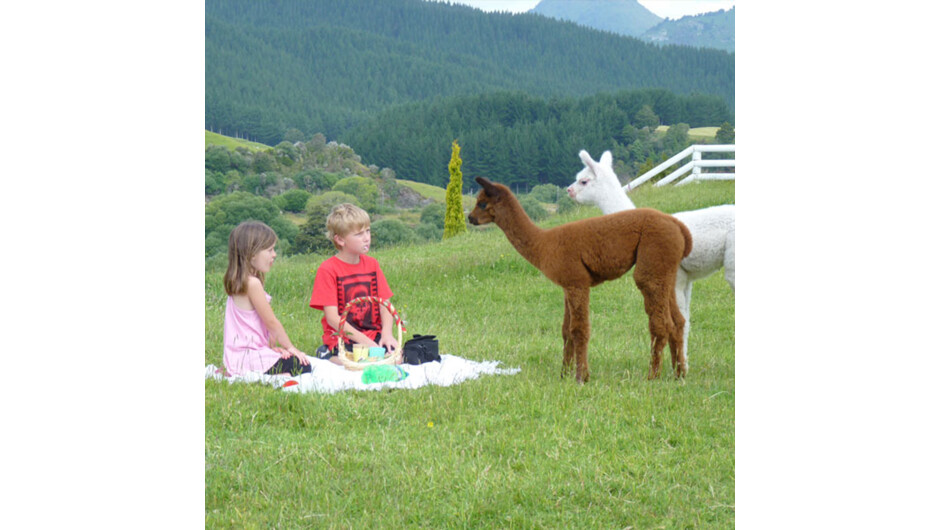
(585, 253)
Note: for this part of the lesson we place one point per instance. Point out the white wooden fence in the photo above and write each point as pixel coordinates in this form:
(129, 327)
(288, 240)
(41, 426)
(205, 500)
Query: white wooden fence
(695, 165)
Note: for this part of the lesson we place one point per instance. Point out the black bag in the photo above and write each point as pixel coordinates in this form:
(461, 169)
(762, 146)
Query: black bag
(421, 349)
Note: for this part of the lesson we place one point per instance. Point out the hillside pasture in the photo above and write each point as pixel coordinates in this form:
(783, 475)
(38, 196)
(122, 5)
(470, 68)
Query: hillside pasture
(699, 134)
(434, 192)
(529, 450)
(232, 143)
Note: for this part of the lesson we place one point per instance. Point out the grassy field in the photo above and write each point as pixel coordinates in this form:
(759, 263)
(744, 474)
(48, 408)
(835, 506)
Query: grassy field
(232, 143)
(695, 133)
(435, 192)
(525, 450)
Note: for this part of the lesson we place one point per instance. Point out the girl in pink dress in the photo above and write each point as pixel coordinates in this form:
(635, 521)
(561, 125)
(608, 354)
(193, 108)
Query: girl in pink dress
(255, 341)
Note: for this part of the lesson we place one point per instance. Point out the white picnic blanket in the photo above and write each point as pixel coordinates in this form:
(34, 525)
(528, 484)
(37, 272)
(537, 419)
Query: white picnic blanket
(327, 378)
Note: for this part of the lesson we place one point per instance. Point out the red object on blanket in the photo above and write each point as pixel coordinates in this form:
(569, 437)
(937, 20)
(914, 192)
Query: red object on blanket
(289, 383)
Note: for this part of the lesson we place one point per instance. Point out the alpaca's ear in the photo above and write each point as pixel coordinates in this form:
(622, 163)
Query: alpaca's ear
(586, 158)
(588, 161)
(491, 190)
(607, 159)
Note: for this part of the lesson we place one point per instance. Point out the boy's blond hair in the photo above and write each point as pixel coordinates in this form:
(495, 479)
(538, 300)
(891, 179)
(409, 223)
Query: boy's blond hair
(345, 219)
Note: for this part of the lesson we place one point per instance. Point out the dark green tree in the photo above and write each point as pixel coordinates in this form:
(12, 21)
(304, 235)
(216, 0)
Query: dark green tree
(725, 134)
(293, 135)
(645, 117)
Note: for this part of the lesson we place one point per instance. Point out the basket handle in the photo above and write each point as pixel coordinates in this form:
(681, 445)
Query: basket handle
(340, 345)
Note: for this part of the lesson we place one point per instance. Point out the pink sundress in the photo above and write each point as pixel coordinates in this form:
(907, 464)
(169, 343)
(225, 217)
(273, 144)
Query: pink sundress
(246, 341)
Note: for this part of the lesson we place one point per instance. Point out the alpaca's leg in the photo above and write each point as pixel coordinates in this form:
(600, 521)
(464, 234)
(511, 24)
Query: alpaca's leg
(658, 286)
(677, 342)
(568, 360)
(684, 299)
(656, 358)
(656, 294)
(729, 259)
(577, 305)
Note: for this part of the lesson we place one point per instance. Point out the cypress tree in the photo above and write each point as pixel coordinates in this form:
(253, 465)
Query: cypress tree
(454, 222)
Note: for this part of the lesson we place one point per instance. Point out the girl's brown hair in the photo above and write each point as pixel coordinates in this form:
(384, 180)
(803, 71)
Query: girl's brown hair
(245, 241)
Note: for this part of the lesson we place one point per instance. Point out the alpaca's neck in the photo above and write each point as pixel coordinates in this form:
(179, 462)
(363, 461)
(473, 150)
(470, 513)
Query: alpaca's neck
(615, 200)
(521, 232)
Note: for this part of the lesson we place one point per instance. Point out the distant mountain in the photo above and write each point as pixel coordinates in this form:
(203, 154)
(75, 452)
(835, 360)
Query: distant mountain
(625, 17)
(709, 30)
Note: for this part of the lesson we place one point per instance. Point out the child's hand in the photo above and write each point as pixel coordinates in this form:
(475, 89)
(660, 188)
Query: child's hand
(284, 353)
(300, 355)
(389, 343)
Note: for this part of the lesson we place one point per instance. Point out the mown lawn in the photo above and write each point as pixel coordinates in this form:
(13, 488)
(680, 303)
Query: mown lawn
(525, 450)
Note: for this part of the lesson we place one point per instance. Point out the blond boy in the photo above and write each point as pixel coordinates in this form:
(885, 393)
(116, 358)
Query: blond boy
(349, 274)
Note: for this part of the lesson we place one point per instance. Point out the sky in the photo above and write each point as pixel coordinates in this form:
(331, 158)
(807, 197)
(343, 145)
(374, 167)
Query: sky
(665, 8)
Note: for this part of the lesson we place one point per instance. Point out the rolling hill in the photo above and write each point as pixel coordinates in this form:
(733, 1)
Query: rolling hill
(331, 65)
(710, 30)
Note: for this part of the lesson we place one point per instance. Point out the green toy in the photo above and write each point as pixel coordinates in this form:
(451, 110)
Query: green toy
(383, 373)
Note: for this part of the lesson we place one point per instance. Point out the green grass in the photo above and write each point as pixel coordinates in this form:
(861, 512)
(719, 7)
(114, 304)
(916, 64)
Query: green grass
(703, 133)
(232, 143)
(434, 192)
(695, 133)
(426, 190)
(528, 450)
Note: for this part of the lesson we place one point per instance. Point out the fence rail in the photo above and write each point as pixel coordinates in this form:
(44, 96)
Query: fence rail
(695, 165)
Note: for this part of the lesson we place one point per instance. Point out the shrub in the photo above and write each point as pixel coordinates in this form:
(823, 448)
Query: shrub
(433, 214)
(286, 234)
(240, 161)
(264, 161)
(565, 204)
(429, 232)
(286, 154)
(215, 182)
(362, 188)
(218, 158)
(224, 212)
(329, 199)
(390, 232)
(292, 200)
(533, 208)
(233, 180)
(314, 180)
(547, 193)
(312, 234)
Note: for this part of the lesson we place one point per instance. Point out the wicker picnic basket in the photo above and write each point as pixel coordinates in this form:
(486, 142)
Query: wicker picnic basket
(345, 357)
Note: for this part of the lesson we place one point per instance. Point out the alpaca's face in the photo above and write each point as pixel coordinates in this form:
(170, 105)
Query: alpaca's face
(584, 187)
(596, 182)
(483, 211)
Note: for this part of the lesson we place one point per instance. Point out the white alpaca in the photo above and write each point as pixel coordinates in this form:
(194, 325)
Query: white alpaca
(712, 228)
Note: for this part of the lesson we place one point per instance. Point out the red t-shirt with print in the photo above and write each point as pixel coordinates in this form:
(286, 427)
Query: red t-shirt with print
(337, 282)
